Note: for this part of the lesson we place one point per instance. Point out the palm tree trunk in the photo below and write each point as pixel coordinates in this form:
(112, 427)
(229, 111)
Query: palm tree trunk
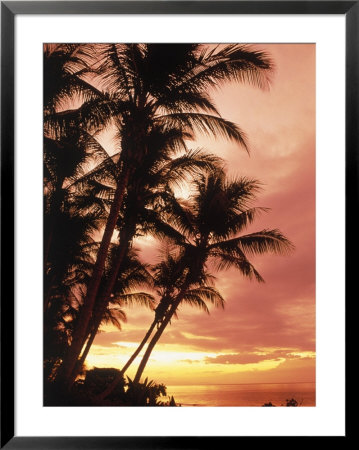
(102, 305)
(87, 342)
(119, 376)
(158, 334)
(86, 350)
(65, 379)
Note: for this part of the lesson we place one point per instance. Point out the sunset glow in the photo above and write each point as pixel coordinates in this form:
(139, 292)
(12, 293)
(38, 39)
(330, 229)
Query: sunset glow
(179, 221)
(267, 332)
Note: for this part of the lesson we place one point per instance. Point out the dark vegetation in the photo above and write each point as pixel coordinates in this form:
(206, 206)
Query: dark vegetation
(289, 402)
(85, 390)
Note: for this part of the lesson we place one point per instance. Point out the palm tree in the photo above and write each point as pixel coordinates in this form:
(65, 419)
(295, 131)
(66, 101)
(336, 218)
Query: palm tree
(67, 71)
(109, 310)
(146, 198)
(63, 161)
(73, 214)
(69, 219)
(67, 151)
(145, 203)
(67, 296)
(210, 221)
(70, 265)
(141, 99)
(166, 279)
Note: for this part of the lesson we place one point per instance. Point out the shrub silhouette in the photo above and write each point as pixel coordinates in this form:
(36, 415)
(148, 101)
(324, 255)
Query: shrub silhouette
(289, 402)
(292, 402)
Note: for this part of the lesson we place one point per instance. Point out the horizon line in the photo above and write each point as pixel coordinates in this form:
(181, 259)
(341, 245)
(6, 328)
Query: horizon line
(241, 384)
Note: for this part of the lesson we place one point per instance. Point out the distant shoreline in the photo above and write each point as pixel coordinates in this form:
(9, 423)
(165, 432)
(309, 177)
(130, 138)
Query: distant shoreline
(240, 384)
(244, 394)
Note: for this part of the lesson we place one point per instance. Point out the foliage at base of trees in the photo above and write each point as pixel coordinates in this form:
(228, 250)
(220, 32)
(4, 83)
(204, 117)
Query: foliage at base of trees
(289, 402)
(126, 393)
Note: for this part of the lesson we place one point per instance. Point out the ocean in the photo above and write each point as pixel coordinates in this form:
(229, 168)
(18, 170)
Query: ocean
(243, 394)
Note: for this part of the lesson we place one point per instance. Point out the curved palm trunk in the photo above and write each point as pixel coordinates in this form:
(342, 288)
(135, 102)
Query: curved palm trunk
(86, 350)
(102, 305)
(158, 334)
(119, 376)
(64, 377)
(80, 362)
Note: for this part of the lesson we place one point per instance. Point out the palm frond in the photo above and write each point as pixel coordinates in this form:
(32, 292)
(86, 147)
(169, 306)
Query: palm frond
(195, 301)
(180, 215)
(207, 124)
(264, 241)
(234, 62)
(114, 316)
(236, 223)
(136, 298)
(208, 294)
(175, 101)
(177, 171)
(226, 260)
(151, 223)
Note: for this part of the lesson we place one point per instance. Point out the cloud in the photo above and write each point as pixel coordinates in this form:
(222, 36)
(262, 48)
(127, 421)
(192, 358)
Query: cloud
(250, 357)
(236, 358)
(107, 339)
(190, 361)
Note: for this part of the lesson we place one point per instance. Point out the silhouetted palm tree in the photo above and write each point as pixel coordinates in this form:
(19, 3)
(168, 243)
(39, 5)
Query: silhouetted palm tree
(64, 160)
(66, 67)
(66, 153)
(211, 221)
(166, 280)
(71, 217)
(70, 73)
(146, 202)
(134, 274)
(64, 282)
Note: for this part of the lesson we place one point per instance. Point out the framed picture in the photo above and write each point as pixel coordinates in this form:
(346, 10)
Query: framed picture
(296, 116)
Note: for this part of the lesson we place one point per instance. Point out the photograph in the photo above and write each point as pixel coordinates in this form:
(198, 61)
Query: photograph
(179, 215)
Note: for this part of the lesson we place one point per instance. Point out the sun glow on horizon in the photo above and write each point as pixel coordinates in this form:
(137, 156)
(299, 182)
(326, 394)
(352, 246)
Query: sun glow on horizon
(191, 366)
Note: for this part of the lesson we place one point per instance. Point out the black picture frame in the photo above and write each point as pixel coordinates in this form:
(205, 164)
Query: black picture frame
(9, 10)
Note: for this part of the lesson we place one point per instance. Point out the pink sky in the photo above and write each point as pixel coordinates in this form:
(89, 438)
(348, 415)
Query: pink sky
(267, 331)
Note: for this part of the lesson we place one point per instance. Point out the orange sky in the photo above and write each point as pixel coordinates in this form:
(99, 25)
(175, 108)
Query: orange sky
(266, 332)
